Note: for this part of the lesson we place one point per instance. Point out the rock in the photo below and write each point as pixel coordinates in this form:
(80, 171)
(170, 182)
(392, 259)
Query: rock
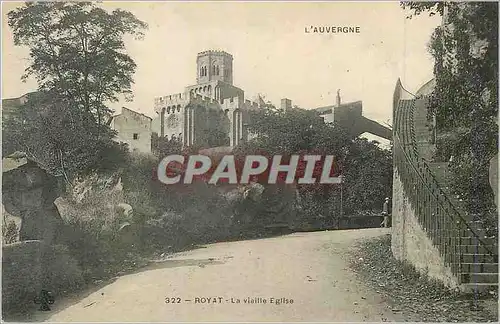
(125, 209)
(29, 192)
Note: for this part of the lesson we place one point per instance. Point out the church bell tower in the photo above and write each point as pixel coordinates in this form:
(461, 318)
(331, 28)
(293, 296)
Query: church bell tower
(213, 66)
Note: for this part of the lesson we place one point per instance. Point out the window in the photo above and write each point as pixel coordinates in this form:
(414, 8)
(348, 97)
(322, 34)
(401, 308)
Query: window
(217, 70)
(136, 136)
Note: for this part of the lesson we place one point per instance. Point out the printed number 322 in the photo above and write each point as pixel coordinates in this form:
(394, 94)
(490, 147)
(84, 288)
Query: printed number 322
(173, 300)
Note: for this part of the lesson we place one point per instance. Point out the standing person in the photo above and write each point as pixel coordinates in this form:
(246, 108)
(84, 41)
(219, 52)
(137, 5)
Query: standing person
(385, 213)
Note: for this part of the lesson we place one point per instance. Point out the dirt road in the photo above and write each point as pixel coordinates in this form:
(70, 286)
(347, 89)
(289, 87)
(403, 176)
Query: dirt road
(298, 277)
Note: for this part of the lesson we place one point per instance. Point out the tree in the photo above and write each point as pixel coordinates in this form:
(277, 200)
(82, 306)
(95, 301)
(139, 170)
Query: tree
(163, 146)
(465, 99)
(432, 7)
(49, 134)
(366, 168)
(368, 176)
(78, 57)
(77, 51)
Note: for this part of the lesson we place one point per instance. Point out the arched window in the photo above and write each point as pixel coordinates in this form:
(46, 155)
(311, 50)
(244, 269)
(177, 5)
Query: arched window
(217, 70)
(168, 110)
(178, 108)
(213, 69)
(201, 71)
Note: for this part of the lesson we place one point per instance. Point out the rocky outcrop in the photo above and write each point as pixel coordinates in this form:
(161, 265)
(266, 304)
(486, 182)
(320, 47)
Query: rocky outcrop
(29, 192)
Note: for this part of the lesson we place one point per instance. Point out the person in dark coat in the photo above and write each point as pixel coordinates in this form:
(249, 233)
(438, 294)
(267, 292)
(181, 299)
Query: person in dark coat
(385, 213)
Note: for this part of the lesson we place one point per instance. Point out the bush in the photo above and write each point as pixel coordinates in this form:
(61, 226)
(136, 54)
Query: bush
(11, 233)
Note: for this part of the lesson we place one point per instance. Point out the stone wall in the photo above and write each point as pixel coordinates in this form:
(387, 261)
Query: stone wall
(134, 129)
(410, 242)
(30, 266)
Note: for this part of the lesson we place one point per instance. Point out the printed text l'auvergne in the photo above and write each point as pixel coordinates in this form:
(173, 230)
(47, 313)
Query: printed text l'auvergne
(332, 29)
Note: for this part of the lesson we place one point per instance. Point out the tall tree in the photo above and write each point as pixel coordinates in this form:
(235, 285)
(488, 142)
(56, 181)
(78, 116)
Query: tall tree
(77, 51)
(465, 99)
(78, 57)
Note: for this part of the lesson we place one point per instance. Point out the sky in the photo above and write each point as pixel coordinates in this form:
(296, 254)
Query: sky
(273, 55)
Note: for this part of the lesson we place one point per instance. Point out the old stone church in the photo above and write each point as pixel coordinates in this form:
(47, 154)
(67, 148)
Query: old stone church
(213, 112)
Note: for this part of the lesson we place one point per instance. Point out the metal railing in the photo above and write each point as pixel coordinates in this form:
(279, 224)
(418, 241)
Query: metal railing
(440, 219)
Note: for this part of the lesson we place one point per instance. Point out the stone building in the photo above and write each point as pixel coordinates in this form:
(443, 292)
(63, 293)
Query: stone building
(10, 105)
(350, 116)
(134, 129)
(213, 112)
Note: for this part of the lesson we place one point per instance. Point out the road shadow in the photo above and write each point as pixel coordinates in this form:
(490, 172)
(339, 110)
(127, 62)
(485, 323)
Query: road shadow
(169, 263)
(32, 314)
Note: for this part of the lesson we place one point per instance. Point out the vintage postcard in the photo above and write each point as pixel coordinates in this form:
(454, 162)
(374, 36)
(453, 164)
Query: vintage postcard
(249, 161)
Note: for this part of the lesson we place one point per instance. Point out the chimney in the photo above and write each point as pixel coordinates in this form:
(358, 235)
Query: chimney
(286, 104)
(338, 98)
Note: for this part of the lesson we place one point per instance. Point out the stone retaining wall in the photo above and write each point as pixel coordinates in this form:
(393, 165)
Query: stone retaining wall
(410, 241)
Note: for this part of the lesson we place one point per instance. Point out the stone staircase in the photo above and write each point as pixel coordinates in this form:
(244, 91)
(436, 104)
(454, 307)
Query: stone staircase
(479, 252)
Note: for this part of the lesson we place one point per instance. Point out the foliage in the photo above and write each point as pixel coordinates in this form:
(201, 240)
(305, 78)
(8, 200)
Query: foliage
(304, 132)
(77, 51)
(472, 185)
(215, 137)
(77, 56)
(11, 232)
(47, 131)
(366, 168)
(432, 7)
(162, 146)
(465, 99)
(368, 177)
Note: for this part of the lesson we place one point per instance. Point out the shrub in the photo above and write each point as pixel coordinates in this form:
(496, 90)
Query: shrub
(11, 233)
